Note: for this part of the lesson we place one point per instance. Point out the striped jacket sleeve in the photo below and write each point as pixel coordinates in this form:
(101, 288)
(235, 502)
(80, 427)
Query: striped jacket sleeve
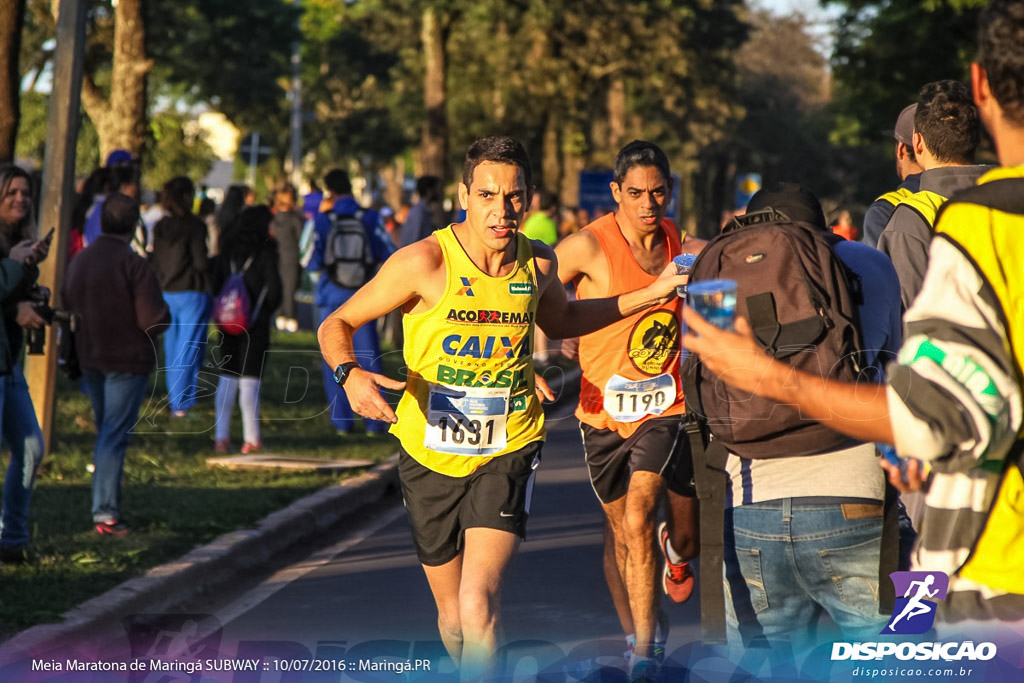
(955, 401)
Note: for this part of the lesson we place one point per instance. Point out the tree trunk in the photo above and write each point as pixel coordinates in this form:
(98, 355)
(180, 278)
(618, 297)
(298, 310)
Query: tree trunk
(120, 120)
(12, 17)
(393, 175)
(573, 144)
(551, 164)
(433, 152)
(616, 114)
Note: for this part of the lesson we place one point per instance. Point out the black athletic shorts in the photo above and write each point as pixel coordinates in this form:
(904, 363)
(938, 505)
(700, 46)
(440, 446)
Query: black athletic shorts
(441, 508)
(659, 445)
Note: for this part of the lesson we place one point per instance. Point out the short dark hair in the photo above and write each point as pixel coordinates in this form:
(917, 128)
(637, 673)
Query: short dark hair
(640, 153)
(428, 187)
(120, 215)
(177, 196)
(121, 175)
(1001, 54)
(797, 202)
(499, 150)
(910, 150)
(948, 121)
(337, 182)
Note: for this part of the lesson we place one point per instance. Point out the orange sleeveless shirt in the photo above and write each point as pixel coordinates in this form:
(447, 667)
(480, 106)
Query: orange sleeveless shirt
(630, 367)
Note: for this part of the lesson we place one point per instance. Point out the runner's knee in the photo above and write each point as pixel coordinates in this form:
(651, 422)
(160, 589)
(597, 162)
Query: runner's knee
(478, 610)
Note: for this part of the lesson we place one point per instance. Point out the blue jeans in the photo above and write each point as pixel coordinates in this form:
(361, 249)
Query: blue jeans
(116, 397)
(367, 350)
(22, 435)
(185, 345)
(787, 561)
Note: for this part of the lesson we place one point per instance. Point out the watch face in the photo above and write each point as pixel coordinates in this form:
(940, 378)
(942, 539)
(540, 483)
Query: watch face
(341, 372)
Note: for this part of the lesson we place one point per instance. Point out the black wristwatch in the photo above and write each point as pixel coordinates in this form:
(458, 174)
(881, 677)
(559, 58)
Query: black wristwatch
(342, 372)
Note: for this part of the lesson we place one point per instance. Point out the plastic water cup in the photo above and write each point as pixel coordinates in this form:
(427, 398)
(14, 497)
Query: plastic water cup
(715, 300)
(684, 264)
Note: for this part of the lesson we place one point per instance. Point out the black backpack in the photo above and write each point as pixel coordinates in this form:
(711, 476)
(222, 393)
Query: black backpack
(801, 301)
(348, 257)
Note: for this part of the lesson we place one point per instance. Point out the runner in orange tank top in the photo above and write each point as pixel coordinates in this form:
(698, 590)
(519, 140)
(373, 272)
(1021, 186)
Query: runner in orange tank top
(631, 399)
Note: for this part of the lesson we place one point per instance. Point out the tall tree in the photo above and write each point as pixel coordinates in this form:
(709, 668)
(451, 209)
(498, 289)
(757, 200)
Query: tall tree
(12, 18)
(433, 148)
(120, 114)
(885, 51)
(216, 52)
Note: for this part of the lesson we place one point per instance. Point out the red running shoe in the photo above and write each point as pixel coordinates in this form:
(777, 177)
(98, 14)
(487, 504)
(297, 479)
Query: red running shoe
(115, 528)
(677, 581)
(251, 447)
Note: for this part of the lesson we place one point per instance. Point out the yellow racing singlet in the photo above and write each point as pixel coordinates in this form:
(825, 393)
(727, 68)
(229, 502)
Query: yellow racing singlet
(470, 393)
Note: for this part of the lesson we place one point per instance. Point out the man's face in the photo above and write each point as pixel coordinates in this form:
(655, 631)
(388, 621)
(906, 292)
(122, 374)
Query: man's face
(643, 197)
(495, 202)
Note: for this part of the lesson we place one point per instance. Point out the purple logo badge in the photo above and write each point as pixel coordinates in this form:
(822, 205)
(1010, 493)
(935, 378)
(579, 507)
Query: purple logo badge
(916, 596)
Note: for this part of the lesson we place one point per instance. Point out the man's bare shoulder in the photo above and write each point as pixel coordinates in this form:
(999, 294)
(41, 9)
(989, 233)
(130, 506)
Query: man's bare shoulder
(544, 255)
(418, 259)
(584, 241)
(579, 253)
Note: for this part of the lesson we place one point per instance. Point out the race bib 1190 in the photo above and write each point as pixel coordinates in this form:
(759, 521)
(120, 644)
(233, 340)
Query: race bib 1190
(628, 400)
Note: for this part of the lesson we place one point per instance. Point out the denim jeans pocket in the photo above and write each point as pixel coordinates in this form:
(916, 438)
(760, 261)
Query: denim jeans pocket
(854, 574)
(744, 582)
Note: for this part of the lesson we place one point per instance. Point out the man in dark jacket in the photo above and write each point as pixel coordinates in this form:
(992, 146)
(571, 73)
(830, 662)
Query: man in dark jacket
(909, 171)
(947, 132)
(117, 296)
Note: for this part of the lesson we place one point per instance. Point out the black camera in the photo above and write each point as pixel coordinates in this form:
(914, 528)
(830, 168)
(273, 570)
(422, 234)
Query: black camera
(35, 340)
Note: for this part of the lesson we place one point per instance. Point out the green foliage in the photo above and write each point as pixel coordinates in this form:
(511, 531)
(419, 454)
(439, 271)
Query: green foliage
(172, 500)
(885, 52)
(231, 55)
(174, 148)
(32, 134)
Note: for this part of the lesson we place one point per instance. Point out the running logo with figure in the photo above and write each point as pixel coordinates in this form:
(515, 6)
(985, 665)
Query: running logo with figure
(914, 613)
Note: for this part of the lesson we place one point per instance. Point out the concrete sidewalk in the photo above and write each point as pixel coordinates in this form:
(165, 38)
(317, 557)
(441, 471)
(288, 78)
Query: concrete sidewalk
(218, 564)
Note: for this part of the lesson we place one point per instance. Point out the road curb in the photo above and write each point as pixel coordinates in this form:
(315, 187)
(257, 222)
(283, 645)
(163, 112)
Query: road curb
(212, 566)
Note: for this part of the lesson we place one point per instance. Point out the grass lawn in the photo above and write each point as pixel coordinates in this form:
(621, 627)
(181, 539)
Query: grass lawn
(171, 499)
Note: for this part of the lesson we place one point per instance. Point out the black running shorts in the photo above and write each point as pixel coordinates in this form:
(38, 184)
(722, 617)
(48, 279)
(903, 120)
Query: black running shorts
(441, 508)
(659, 445)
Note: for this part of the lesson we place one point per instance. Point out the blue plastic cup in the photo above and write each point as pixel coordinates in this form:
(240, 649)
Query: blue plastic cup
(715, 300)
(684, 264)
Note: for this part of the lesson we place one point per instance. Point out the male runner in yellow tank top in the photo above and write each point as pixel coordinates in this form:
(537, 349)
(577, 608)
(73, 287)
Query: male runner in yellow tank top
(469, 420)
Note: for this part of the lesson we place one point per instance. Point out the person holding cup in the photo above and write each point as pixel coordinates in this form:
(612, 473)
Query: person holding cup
(783, 498)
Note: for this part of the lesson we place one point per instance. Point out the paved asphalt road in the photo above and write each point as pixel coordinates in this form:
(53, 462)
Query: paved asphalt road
(362, 594)
(365, 594)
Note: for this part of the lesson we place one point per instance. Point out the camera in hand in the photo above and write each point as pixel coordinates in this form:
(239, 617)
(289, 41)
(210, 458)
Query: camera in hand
(36, 339)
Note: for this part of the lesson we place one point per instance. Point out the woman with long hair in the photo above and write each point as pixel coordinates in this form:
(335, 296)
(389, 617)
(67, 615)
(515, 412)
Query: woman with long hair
(180, 262)
(246, 249)
(19, 253)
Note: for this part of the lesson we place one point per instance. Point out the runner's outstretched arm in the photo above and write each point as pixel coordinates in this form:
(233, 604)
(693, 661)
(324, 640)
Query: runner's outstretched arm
(857, 410)
(561, 318)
